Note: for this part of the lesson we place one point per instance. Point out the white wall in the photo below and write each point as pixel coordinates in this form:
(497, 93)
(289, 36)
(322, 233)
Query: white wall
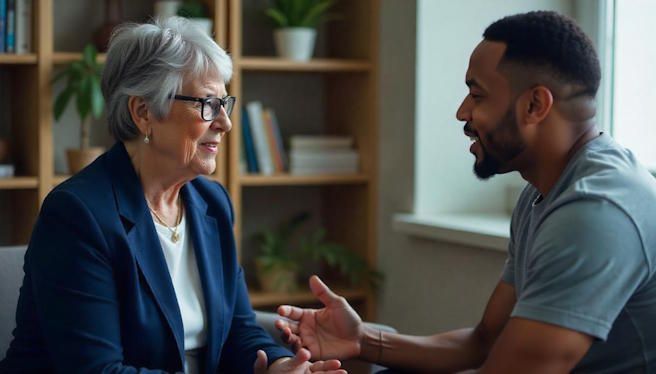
(432, 286)
(447, 32)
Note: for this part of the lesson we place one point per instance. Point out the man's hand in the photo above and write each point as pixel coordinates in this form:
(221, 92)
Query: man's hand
(298, 364)
(334, 331)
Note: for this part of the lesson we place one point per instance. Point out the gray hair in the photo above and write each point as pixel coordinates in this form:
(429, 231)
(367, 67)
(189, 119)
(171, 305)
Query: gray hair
(151, 60)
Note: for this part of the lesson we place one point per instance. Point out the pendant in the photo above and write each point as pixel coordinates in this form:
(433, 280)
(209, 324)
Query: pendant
(175, 237)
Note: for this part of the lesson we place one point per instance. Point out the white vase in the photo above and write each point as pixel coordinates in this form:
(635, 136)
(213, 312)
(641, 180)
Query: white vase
(166, 8)
(204, 24)
(295, 43)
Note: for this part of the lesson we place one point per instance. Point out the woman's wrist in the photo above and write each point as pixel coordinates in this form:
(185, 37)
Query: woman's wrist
(371, 345)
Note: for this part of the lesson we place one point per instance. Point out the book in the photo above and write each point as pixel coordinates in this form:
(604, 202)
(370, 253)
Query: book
(23, 26)
(249, 147)
(3, 24)
(264, 161)
(271, 139)
(6, 170)
(279, 142)
(320, 142)
(324, 161)
(10, 34)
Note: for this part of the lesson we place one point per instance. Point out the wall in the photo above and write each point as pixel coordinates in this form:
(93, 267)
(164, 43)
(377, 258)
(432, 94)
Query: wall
(433, 286)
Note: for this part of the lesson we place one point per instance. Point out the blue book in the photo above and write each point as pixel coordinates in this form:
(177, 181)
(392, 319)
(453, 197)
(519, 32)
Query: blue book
(3, 24)
(251, 157)
(10, 45)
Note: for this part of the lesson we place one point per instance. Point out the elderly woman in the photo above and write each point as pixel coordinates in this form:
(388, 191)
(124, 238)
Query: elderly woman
(132, 266)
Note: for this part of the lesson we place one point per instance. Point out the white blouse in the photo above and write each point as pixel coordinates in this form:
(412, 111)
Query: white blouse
(181, 262)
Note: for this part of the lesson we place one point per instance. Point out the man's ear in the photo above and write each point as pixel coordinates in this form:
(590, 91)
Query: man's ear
(140, 114)
(535, 105)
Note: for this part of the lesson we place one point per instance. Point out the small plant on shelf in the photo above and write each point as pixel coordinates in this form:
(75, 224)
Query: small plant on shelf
(296, 23)
(283, 254)
(82, 84)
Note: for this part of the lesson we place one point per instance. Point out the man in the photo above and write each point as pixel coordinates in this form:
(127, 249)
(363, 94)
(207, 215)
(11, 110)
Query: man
(578, 291)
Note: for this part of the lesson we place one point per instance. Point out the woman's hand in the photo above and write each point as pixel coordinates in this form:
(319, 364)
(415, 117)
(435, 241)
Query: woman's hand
(298, 364)
(334, 331)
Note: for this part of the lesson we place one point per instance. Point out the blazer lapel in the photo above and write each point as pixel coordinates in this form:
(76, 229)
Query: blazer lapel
(143, 241)
(207, 247)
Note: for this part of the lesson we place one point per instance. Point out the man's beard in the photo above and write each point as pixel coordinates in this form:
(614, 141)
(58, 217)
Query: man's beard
(506, 144)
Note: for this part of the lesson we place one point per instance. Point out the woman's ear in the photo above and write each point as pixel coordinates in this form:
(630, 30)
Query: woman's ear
(140, 114)
(535, 105)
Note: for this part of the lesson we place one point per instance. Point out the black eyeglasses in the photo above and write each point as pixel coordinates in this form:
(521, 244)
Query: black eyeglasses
(210, 107)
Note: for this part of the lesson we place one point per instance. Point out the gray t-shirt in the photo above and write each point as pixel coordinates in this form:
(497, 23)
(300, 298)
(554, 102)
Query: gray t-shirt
(583, 257)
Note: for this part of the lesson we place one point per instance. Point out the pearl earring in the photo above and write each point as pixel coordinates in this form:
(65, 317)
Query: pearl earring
(147, 139)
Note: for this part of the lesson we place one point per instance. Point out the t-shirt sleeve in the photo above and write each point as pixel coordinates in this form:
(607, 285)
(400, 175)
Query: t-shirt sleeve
(586, 262)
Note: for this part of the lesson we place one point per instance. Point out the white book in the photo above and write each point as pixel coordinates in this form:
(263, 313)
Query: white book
(6, 170)
(326, 158)
(264, 161)
(23, 26)
(320, 142)
(322, 171)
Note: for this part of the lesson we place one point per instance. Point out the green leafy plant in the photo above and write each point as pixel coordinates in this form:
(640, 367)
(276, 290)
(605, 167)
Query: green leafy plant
(82, 83)
(300, 13)
(282, 248)
(193, 9)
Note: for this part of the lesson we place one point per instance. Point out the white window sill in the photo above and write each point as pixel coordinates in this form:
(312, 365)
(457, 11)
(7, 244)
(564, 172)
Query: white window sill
(489, 231)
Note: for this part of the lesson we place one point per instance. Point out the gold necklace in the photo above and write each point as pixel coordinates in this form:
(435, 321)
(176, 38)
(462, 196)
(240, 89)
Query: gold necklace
(174, 230)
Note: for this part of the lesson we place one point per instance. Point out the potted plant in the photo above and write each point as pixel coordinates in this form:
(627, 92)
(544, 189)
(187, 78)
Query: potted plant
(197, 13)
(83, 83)
(296, 22)
(277, 264)
(283, 254)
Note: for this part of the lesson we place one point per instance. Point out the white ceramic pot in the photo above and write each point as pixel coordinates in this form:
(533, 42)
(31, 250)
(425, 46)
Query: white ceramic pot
(295, 43)
(166, 8)
(204, 24)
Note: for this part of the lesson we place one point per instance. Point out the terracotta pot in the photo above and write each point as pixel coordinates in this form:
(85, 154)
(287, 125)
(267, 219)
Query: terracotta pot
(78, 159)
(278, 279)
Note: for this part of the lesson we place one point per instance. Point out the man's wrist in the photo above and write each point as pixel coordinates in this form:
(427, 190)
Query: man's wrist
(371, 347)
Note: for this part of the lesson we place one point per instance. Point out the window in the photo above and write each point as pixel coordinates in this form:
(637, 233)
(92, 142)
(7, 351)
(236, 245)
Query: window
(629, 25)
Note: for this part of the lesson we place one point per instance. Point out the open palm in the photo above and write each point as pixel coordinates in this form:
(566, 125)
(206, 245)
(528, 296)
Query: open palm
(331, 332)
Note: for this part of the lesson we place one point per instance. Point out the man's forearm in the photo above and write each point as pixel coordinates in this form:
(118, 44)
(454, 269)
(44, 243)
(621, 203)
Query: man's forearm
(449, 352)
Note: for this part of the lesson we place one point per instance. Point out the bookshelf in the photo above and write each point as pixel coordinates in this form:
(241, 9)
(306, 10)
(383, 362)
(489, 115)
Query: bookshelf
(343, 75)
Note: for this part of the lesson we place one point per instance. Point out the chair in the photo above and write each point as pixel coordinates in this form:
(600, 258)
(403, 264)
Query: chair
(11, 278)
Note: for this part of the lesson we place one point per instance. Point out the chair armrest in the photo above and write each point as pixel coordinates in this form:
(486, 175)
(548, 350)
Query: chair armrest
(267, 321)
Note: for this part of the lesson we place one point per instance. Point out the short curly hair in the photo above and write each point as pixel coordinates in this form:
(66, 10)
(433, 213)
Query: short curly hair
(551, 42)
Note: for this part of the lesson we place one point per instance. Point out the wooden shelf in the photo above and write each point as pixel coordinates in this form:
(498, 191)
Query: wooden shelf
(68, 57)
(260, 299)
(10, 58)
(314, 65)
(17, 183)
(301, 180)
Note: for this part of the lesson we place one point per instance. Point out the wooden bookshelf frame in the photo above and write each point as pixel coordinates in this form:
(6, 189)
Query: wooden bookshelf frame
(350, 67)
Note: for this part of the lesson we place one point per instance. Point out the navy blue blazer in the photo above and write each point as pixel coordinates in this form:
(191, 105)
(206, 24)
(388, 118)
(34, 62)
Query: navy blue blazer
(97, 295)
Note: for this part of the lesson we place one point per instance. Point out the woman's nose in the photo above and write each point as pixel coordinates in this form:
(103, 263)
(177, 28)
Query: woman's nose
(222, 122)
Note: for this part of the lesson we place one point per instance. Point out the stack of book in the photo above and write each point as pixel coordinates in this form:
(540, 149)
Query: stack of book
(262, 148)
(316, 155)
(16, 26)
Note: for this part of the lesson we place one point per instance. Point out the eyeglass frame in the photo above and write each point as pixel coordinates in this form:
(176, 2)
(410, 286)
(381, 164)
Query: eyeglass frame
(223, 101)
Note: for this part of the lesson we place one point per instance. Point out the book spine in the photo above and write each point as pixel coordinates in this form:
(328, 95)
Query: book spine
(279, 143)
(10, 43)
(265, 163)
(251, 157)
(23, 26)
(3, 24)
(273, 147)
